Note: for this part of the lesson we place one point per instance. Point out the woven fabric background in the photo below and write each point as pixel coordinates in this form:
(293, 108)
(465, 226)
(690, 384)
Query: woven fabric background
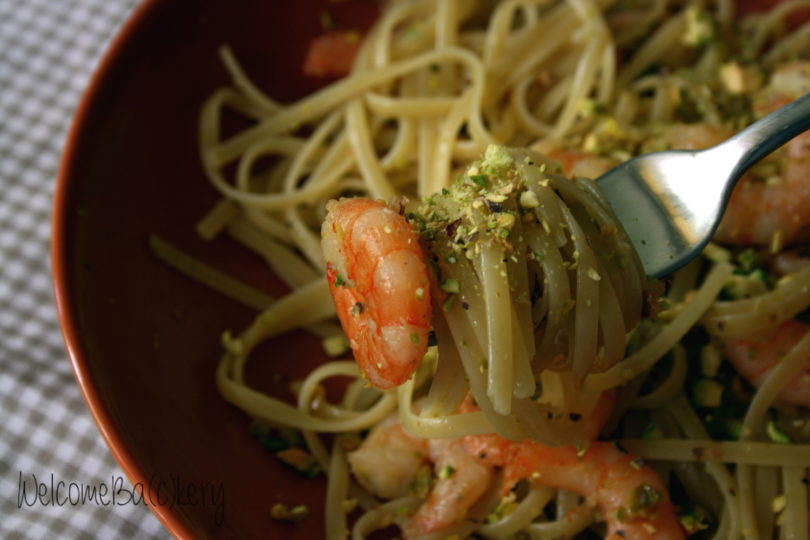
(48, 50)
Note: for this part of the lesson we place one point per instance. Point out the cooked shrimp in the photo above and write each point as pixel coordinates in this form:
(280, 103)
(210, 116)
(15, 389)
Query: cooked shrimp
(332, 54)
(775, 211)
(753, 357)
(630, 495)
(461, 481)
(762, 211)
(387, 464)
(388, 460)
(379, 283)
(491, 449)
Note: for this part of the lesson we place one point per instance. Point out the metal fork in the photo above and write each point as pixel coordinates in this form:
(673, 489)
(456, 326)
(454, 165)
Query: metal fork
(670, 203)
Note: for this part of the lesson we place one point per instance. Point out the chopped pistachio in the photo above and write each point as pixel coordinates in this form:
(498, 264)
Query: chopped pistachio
(528, 199)
(739, 79)
(480, 180)
(450, 285)
(710, 360)
(422, 483)
(699, 27)
(590, 107)
(707, 393)
(506, 506)
(496, 158)
(349, 505)
(335, 346)
(283, 512)
(644, 497)
(775, 434)
(695, 519)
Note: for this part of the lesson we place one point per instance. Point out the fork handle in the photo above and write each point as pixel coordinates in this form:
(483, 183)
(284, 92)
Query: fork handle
(768, 133)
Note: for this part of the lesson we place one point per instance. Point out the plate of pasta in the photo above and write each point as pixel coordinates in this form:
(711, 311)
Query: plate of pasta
(359, 266)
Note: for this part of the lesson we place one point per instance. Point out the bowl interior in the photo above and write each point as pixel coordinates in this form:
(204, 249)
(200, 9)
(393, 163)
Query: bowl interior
(144, 339)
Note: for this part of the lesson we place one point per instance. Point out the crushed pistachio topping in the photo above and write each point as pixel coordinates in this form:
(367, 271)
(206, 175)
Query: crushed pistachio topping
(421, 485)
(348, 505)
(707, 393)
(652, 432)
(528, 199)
(699, 27)
(644, 497)
(507, 505)
(496, 159)
(775, 434)
(450, 285)
(300, 461)
(485, 204)
(695, 519)
(710, 360)
(294, 513)
(335, 346)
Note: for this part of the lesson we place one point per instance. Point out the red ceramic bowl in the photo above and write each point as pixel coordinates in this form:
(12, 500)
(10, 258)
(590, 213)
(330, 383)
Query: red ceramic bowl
(143, 339)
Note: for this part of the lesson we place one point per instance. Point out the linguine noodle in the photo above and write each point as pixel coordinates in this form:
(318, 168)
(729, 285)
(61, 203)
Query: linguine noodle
(436, 86)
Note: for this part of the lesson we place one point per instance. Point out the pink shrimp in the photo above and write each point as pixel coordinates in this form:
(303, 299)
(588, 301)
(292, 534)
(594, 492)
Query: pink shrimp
(461, 481)
(754, 357)
(630, 495)
(379, 282)
(389, 460)
(775, 211)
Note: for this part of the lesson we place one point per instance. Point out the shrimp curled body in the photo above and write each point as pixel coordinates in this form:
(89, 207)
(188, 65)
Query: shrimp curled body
(754, 357)
(630, 495)
(379, 282)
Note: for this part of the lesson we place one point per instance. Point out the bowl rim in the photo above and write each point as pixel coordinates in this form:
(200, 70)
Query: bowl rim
(63, 296)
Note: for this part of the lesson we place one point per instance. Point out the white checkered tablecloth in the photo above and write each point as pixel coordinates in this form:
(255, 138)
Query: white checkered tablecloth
(48, 50)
